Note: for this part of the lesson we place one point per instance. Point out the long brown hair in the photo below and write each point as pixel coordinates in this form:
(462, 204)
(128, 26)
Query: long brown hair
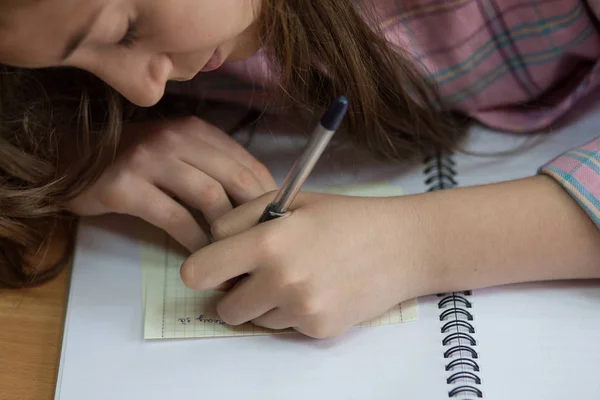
(326, 48)
(58, 131)
(60, 128)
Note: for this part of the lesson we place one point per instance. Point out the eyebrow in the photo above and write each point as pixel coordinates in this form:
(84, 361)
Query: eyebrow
(75, 40)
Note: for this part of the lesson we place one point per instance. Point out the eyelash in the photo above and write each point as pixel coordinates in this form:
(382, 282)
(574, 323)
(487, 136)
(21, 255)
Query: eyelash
(130, 36)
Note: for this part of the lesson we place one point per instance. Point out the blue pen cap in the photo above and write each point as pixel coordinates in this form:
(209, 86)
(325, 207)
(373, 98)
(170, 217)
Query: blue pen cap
(335, 114)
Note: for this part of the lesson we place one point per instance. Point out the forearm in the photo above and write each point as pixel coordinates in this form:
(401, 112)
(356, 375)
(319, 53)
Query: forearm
(519, 231)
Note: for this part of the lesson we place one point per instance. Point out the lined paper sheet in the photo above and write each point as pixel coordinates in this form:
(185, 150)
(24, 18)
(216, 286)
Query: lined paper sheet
(174, 311)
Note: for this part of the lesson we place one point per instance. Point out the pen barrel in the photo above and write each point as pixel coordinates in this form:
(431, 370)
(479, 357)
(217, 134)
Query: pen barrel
(302, 168)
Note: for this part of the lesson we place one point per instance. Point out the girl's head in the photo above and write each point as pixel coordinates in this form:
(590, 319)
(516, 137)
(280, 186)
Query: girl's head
(135, 46)
(70, 68)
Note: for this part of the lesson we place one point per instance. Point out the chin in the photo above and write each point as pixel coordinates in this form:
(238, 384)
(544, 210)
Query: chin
(148, 101)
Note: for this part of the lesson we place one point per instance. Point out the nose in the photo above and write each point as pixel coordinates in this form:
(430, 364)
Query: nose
(142, 83)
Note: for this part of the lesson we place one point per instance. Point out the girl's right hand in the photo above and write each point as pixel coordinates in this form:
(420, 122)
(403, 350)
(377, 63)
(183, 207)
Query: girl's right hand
(184, 158)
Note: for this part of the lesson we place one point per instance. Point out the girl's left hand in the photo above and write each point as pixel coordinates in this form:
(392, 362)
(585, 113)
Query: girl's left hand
(329, 264)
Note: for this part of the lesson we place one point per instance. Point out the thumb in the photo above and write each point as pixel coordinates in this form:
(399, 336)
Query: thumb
(241, 218)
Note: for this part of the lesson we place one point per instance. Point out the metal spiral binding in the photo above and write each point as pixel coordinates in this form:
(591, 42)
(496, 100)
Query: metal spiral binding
(440, 172)
(460, 344)
(455, 315)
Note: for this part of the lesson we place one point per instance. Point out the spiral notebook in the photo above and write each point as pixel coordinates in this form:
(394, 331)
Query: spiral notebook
(530, 341)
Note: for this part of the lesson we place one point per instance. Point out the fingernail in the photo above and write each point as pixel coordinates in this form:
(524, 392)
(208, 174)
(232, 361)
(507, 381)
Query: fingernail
(187, 274)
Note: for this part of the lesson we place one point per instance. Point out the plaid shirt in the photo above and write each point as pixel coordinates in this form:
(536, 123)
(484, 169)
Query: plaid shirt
(513, 65)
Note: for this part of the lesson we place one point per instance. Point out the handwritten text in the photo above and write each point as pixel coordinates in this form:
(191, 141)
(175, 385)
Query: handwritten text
(201, 319)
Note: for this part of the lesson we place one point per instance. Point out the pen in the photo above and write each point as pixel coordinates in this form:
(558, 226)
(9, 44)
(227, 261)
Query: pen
(301, 169)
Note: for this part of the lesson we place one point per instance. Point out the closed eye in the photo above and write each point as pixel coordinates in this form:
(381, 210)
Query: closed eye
(130, 36)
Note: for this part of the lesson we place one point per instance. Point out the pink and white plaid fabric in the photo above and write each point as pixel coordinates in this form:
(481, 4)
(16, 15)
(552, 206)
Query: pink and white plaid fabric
(513, 65)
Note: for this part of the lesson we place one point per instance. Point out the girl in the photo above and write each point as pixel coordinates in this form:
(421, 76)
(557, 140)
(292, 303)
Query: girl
(414, 71)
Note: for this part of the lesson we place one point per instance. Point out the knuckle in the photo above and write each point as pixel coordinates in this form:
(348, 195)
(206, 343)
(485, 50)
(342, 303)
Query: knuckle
(286, 276)
(244, 179)
(116, 198)
(192, 125)
(261, 171)
(140, 155)
(309, 306)
(212, 195)
(167, 140)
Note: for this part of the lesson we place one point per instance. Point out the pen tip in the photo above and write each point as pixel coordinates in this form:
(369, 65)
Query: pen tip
(335, 114)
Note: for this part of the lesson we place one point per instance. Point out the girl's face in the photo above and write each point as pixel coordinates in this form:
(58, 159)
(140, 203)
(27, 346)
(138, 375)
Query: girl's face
(135, 46)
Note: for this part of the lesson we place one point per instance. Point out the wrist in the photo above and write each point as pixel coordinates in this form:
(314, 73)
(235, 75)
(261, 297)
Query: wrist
(409, 246)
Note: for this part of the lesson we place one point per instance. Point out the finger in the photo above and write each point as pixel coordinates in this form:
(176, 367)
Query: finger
(196, 189)
(214, 265)
(275, 319)
(238, 180)
(225, 144)
(227, 286)
(155, 207)
(247, 301)
(241, 218)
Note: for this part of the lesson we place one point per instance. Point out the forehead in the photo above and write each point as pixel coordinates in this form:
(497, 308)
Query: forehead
(34, 32)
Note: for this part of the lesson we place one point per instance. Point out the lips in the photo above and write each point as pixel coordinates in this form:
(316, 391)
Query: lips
(215, 61)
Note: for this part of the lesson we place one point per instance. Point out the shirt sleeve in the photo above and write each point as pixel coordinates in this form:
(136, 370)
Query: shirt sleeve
(578, 172)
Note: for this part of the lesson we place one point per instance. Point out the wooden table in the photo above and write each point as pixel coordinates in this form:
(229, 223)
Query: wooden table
(31, 325)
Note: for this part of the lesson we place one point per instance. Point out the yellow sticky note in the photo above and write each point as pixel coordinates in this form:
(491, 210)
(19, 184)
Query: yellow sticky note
(174, 311)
